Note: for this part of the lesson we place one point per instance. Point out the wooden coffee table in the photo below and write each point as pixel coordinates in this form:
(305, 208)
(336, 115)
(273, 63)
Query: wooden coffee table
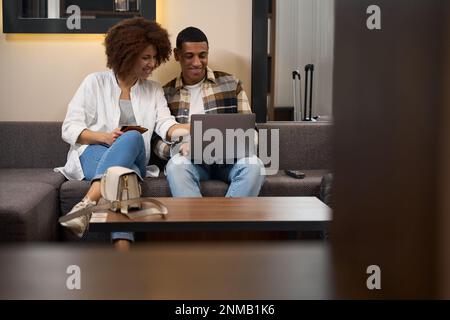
(226, 214)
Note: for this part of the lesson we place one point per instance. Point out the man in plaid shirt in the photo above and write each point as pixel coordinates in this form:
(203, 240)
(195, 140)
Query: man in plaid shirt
(200, 90)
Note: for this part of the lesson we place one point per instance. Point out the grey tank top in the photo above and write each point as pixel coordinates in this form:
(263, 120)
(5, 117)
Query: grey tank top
(126, 113)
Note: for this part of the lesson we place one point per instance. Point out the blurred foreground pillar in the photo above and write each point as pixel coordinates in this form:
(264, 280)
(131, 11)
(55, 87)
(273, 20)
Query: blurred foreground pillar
(392, 137)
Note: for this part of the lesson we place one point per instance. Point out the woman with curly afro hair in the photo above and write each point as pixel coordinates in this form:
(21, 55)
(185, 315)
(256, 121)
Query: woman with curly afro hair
(106, 101)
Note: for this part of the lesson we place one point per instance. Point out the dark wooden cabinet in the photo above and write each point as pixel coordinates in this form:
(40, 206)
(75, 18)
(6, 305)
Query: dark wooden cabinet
(32, 16)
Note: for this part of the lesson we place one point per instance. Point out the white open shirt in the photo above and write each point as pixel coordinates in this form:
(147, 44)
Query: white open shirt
(95, 106)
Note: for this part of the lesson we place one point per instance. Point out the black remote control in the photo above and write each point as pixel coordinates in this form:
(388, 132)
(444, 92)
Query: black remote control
(295, 174)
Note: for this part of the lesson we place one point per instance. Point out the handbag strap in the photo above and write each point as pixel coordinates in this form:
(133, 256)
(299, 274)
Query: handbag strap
(161, 208)
(136, 214)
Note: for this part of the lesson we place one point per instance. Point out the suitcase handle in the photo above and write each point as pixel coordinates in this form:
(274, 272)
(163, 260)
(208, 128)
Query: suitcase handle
(309, 70)
(297, 109)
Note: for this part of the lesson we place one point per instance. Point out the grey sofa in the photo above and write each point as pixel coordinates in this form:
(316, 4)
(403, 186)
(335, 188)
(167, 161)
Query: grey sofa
(32, 196)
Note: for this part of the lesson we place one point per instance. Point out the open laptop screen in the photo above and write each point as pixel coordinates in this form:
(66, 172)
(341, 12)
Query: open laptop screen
(222, 138)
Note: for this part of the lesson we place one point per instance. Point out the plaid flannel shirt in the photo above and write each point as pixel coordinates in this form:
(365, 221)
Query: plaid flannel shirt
(221, 92)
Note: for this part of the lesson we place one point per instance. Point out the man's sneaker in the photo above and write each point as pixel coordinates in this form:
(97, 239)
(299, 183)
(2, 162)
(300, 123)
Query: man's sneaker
(78, 225)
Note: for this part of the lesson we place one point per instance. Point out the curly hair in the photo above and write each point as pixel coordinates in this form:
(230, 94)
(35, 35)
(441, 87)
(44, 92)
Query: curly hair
(126, 40)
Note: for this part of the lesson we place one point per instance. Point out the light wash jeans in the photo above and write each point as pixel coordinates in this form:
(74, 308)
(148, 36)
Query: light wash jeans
(127, 151)
(246, 176)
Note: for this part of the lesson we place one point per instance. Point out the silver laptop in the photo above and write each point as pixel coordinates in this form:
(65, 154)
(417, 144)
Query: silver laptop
(222, 138)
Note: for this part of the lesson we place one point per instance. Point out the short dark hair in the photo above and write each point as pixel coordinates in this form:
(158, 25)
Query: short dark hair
(191, 34)
(128, 38)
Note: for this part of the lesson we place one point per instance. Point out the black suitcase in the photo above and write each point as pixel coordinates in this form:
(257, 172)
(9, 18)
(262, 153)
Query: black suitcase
(297, 174)
(309, 77)
(306, 115)
(307, 112)
(297, 109)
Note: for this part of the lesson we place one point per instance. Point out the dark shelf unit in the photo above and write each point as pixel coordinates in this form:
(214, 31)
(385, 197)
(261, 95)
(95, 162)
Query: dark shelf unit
(14, 23)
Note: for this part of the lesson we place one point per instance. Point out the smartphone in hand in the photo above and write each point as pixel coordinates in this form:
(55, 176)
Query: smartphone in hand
(137, 128)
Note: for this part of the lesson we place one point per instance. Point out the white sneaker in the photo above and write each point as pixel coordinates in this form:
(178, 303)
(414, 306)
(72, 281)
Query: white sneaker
(78, 225)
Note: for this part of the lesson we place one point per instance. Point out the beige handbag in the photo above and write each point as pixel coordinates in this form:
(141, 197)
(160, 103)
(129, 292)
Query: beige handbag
(121, 189)
(120, 186)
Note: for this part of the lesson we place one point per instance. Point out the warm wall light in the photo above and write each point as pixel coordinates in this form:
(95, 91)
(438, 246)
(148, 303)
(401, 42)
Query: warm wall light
(57, 37)
(160, 11)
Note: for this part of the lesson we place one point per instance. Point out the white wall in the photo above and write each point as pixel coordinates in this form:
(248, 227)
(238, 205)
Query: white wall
(228, 26)
(304, 35)
(40, 73)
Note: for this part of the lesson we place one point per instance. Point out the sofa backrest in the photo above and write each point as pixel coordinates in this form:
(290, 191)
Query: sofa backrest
(32, 145)
(303, 145)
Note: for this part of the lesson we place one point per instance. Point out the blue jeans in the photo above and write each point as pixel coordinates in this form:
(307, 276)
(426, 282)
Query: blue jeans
(246, 176)
(127, 151)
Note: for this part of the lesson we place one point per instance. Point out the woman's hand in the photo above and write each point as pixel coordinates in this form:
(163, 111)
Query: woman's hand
(110, 137)
(95, 137)
(185, 149)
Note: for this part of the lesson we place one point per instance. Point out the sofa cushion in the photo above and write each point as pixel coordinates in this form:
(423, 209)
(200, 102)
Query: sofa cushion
(55, 179)
(28, 211)
(32, 145)
(281, 184)
(71, 193)
(159, 187)
(326, 193)
(276, 185)
(302, 145)
(156, 187)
